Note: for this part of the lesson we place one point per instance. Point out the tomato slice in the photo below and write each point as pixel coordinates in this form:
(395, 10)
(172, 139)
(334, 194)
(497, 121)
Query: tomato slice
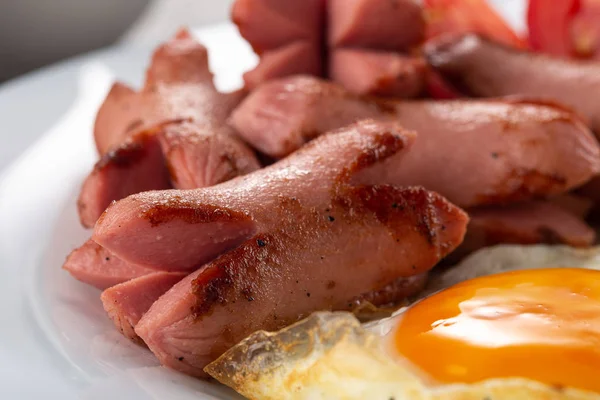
(549, 25)
(585, 30)
(458, 16)
(569, 28)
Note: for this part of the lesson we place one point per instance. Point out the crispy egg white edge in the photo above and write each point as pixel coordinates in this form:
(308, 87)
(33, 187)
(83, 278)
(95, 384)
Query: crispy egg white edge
(332, 356)
(504, 258)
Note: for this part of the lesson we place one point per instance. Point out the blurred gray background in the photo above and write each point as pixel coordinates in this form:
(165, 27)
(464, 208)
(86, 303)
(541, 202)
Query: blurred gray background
(34, 33)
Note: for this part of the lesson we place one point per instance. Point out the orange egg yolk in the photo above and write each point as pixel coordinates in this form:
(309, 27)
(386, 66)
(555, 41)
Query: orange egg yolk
(542, 325)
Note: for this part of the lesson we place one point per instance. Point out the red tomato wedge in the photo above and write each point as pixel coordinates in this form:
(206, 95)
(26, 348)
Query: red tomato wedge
(585, 30)
(568, 28)
(458, 16)
(549, 25)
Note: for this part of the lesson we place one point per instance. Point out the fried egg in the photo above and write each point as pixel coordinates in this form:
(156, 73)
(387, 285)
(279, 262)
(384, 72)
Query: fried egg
(526, 333)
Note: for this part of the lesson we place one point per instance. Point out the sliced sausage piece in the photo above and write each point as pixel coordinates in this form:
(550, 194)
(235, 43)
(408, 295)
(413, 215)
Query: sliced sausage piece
(203, 231)
(376, 24)
(181, 154)
(378, 73)
(472, 152)
(269, 24)
(494, 152)
(280, 116)
(466, 60)
(199, 157)
(96, 266)
(525, 223)
(276, 28)
(181, 60)
(307, 252)
(127, 302)
(179, 91)
(177, 82)
(267, 287)
(133, 167)
(301, 57)
(178, 86)
(117, 116)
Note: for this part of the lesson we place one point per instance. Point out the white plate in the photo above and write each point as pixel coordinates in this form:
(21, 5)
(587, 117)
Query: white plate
(55, 339)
